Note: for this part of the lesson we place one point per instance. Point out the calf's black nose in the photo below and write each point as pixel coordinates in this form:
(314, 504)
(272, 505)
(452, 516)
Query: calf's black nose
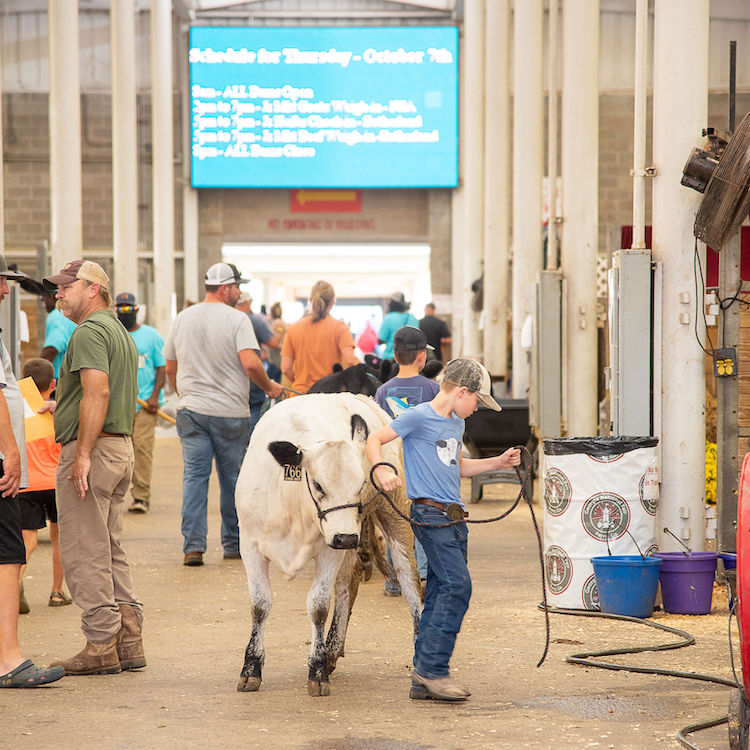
(345, 541)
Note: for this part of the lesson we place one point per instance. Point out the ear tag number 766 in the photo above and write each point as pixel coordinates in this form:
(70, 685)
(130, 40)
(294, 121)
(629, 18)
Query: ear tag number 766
(292, 473)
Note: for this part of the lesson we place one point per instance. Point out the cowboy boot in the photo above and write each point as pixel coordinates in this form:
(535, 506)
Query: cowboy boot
(129, 642)
(96, 658)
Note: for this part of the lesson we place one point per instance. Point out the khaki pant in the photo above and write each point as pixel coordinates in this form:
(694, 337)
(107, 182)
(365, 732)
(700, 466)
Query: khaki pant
(95, 566)
(143, 446)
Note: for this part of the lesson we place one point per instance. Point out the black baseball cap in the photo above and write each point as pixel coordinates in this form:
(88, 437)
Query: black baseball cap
(125, 298)
(410, 339)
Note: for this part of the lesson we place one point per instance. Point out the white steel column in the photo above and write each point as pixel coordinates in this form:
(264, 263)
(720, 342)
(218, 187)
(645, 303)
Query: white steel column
(553, 45)
(496, 185)
(124, 147)
(472, 137)
(528, 170)
(458, 222)
(163, 167)
(190, 269)
(680, 111)
(458, 219)
(640, 95)
(580, 181)
(66, 222)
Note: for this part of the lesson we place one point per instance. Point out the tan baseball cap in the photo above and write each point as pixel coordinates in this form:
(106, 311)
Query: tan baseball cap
(472, 375)
(80, 269)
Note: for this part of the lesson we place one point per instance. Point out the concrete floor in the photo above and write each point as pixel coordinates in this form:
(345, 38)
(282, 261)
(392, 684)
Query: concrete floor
(197, 628)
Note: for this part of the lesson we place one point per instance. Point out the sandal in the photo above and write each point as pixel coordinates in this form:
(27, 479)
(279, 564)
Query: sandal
(28, 675)
(59, 599)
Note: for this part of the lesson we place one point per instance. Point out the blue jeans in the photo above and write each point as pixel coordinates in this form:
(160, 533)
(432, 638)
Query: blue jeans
(204, 438)
(447, 594)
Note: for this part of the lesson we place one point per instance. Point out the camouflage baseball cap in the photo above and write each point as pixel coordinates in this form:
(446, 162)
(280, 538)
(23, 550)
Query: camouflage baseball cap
(472, 375)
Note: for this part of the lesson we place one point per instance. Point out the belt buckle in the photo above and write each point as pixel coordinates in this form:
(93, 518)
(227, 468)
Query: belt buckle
(454, 511)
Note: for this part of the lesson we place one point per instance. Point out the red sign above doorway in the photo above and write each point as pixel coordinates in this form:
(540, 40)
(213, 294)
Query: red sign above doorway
(325, 201)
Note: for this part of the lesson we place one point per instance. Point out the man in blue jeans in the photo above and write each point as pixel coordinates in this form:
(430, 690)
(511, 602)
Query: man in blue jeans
(210, 358)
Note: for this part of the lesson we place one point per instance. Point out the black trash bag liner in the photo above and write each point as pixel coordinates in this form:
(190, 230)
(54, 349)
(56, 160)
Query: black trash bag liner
(597, 446)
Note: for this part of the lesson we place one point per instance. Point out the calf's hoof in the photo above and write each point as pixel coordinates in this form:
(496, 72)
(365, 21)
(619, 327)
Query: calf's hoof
(248, 684)
(365, 574)
(316, 688)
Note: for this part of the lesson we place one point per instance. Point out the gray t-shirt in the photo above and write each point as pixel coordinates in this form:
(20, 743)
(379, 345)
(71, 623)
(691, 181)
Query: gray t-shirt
(16, 407)
(205, 340)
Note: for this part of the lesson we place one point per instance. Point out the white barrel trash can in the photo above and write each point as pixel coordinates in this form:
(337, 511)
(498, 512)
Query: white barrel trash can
(600, 497)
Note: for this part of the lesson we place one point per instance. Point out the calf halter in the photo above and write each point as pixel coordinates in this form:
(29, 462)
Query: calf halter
(323, 512)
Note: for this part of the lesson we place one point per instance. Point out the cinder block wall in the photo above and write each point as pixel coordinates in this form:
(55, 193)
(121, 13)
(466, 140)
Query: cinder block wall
(224, 214)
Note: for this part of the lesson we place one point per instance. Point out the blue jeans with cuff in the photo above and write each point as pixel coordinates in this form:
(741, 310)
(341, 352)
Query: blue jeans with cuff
(204, 437)
(448, 590)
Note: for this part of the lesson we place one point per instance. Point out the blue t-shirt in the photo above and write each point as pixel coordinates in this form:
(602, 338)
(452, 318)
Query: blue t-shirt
(432, 453)
(57, 332)
(149, 343)
(392, 321)
(263, 333)
(398, 394)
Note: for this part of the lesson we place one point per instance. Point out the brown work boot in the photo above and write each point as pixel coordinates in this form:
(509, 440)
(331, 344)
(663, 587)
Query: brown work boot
(440, 688)
(129, 642)
(96, 658)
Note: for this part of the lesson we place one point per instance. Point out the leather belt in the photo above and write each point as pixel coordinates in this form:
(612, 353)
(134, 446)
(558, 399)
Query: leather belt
(436, 504)
(112, 434)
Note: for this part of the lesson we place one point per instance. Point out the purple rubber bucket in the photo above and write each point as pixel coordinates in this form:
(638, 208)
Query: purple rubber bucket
(687, 582)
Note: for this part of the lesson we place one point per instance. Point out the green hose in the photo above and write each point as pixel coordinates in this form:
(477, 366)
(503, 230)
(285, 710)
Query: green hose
(590, 659)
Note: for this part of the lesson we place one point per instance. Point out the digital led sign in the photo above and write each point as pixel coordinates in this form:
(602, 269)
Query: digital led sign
(324, 107)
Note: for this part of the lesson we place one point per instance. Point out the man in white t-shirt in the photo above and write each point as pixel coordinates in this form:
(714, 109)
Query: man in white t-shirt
(210, 359)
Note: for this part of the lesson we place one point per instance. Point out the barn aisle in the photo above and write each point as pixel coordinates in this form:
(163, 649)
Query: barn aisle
(197, 627)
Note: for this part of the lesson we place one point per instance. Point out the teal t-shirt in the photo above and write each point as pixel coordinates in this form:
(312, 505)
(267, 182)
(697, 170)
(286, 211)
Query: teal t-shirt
(392, 321)
(149, 343)
(57, 332)
(99, 343)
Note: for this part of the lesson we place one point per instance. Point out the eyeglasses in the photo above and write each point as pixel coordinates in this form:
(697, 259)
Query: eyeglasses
(126, 308)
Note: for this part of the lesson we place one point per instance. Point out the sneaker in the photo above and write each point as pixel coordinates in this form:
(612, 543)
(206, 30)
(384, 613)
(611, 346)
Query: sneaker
(139, 506)
(193, 559)
(232, 554)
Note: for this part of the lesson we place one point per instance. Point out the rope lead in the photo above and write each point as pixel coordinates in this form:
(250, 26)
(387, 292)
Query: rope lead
(523, 479)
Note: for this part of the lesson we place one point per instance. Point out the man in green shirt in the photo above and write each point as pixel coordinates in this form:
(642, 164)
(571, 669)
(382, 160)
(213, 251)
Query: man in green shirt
(94, 413)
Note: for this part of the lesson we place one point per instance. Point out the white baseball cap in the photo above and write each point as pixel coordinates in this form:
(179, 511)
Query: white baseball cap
(224, 273)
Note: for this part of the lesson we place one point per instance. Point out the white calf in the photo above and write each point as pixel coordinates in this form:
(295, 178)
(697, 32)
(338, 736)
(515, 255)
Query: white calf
(301, 495)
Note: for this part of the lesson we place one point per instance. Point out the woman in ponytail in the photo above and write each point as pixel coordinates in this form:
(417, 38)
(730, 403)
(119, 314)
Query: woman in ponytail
(316, 343)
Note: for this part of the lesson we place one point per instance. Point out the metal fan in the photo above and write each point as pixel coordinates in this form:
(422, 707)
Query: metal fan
(722, 172)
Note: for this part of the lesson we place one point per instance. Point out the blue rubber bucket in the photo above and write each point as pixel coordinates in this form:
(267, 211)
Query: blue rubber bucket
(627, 584)
(729, 559)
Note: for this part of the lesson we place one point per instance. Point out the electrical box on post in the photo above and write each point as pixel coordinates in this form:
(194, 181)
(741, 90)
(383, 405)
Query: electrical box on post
(630, 333)
(545, 402)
